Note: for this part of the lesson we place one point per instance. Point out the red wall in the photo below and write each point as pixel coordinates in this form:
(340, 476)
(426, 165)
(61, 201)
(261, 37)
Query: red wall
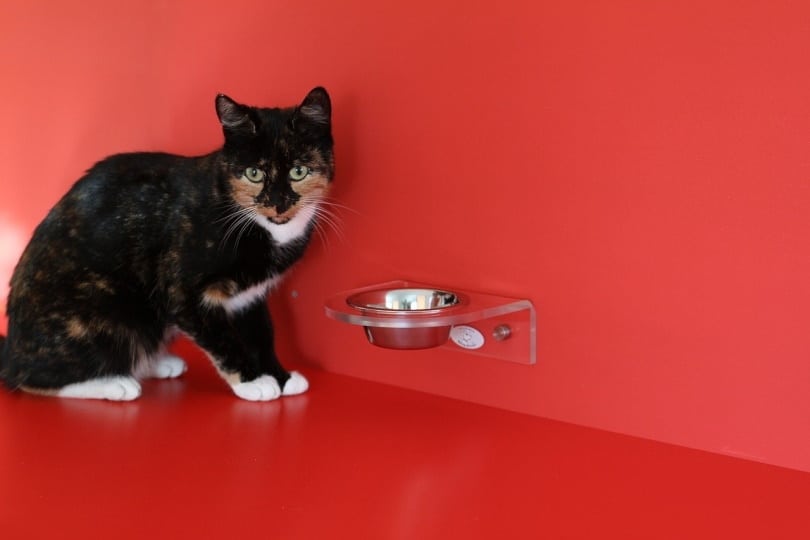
(640, 170)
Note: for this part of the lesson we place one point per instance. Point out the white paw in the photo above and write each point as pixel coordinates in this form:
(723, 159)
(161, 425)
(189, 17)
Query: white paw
(263, 388)
(167, 367)
(123, 389)
(112, 388)
(296, 384)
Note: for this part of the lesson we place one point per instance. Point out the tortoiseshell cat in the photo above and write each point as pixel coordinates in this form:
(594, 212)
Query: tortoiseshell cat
(147, 245)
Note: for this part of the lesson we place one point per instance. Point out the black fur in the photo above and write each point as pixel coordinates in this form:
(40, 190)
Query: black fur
(146, 243)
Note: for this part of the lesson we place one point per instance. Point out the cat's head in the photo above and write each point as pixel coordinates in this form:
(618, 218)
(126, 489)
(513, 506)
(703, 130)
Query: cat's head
(279, 162)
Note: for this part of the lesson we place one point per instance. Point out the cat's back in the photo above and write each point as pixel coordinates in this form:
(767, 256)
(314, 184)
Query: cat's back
(122, 203)
(121, 187)
(138, 175)
(141, 166)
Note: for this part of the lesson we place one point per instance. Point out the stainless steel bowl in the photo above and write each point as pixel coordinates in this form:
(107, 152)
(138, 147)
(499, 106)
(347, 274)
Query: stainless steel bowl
(411, 309)
(407, 338)
(403, 301)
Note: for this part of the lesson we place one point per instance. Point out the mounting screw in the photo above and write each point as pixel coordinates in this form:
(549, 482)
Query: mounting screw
(501, 332)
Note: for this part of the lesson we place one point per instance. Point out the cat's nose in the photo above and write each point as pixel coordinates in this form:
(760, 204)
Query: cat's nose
(278, 202)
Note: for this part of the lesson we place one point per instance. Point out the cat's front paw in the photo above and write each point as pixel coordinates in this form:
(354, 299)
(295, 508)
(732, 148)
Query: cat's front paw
(263, 388)
(296, 384)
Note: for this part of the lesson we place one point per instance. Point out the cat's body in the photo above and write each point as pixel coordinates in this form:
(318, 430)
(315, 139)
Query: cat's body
(148, 245)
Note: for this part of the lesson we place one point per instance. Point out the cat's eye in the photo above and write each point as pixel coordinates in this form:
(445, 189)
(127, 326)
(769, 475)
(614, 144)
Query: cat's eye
(254, 175)
(299, 172)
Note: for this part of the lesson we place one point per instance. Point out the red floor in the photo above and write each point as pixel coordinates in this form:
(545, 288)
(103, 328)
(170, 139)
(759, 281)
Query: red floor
(353, 459)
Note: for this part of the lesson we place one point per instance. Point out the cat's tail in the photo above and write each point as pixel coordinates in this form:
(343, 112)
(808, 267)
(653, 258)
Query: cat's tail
(5, 373)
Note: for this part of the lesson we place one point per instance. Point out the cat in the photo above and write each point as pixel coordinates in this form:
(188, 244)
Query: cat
(148, 245)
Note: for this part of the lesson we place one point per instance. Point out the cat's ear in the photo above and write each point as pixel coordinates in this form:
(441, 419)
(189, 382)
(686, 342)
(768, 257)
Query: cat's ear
(316, 109)
(234, 117)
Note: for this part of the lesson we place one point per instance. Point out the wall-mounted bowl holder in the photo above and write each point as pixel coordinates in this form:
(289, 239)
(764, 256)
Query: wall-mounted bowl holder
(406, 315)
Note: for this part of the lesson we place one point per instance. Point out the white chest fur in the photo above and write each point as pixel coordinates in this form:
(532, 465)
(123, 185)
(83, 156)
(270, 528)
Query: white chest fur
(282, 234)
(286, 232)
(247, 297)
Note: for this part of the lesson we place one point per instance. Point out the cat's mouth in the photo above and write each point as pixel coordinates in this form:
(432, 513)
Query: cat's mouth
(277, 218)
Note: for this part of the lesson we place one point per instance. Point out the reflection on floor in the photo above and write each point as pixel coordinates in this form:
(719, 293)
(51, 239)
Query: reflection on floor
(353, 459)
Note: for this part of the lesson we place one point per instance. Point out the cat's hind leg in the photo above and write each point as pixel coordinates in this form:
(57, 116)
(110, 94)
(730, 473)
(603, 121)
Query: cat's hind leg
(73, 371)
(116, 388)
(163, 366)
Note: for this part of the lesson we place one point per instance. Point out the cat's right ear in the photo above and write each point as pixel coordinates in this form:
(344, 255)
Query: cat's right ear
(233, 116)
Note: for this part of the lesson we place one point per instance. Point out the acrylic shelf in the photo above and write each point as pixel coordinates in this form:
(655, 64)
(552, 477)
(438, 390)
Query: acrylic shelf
(507, 326)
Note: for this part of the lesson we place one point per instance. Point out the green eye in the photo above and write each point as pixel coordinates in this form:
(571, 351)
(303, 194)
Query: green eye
(254, 175)
(299, 172)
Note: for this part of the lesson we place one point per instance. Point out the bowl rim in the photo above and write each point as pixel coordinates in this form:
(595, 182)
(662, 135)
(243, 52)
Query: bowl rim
(461, 300)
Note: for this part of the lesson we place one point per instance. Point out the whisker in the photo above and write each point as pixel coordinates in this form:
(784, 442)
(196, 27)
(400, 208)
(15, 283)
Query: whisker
(227, 204)
(234, 220)
(237, 222)
(333, 204)
(245, 225)
(319, 231)
(325, 218)
(332, 221)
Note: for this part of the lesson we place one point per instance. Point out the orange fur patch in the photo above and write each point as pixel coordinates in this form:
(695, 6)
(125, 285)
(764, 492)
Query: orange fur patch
(244, 192)
(315, 185)
(50, 392)
(104, 285)
(76, 328)
(310, 189)
(218, 293)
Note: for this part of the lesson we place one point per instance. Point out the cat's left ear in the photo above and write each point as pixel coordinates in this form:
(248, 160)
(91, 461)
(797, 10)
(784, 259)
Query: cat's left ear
(316, 109)
(234, 117)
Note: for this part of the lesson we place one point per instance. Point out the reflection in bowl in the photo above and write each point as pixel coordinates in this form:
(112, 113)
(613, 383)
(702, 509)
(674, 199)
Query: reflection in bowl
(403, 300)
(405, 303)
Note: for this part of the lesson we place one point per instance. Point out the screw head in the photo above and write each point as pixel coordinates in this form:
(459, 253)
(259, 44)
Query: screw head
(501, 332)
